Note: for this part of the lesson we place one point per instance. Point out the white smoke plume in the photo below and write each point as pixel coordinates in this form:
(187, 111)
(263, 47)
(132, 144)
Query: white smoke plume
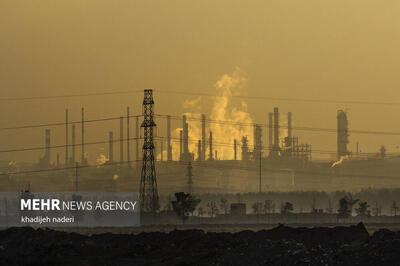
(223, 109)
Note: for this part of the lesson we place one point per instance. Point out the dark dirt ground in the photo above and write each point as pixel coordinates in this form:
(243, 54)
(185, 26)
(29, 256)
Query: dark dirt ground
(282, 245)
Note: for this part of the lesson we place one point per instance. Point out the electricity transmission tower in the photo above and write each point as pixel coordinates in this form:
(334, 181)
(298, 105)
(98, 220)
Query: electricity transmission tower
(148, 183)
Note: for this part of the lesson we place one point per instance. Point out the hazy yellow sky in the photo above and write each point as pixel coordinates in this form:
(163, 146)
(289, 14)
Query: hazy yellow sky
(338, 49)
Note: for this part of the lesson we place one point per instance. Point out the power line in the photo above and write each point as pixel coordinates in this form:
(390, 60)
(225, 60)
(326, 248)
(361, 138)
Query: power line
(301, 128)
(63, 146)
(284, 99)
(63, 123)
(201, 164)
(327, 173)
(224, 144)
(67, 168)
(69, 95)
(220, 122)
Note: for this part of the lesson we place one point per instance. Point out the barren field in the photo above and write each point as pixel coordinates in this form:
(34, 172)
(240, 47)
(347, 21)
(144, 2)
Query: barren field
(281, 245)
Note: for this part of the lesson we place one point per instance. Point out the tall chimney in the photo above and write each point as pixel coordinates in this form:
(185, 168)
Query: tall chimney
(83, 137)
(211, 147)
(162, 150)
(180, 145)
(47, 153)
(185, 129)
(234, 148)
(276, 128)
(289, 122)
(270, 134)
(137, 139)
(111, 147)
(257, 141)
(128, 150)
(121, 139)
(169, 147)
(199, 150)
(73, 145)
(342, 133)
(66, 139)
(203, 137)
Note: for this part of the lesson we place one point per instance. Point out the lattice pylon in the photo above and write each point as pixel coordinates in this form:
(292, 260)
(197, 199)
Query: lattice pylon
(149, 201)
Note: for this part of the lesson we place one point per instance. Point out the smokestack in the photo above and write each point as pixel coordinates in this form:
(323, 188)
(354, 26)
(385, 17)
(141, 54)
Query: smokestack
(357, 150)
(199, 151)
(342, 134)
(180, 145)
(47, 153)
(245, 153)
(73, 145)
(211, 147)
(137, 138)
(128, 155)
(257, 141)
(111, 147)
(83, 136)
(169, 147)
(270, 127)
(254, 137)
(121, 139)
(185, 138)
(203, 137)
(276, 128)
(289, 123)
(66, 138)
(162, 150)
(234, 148)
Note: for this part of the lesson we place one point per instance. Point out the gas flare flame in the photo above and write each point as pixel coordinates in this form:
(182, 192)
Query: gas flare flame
(102, 159)
(340, 161)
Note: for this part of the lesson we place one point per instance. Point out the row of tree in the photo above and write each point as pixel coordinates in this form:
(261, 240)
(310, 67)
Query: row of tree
(185, 204)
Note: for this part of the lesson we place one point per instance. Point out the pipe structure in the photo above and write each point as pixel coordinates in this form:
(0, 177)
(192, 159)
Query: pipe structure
(111, 147)
(66, 138)
(83, 136)
(73, 160)
(276, 128)
(128, 150)
(203, 137)
(169, 147)
(121, 139)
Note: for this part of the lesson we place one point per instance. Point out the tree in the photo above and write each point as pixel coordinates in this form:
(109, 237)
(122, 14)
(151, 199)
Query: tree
(344, 209)
(224, 205)
(346, 206)
(287, 208)
(362, 209)
(184, 204)
(257, 207)
(212, 208)
(394, 208)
